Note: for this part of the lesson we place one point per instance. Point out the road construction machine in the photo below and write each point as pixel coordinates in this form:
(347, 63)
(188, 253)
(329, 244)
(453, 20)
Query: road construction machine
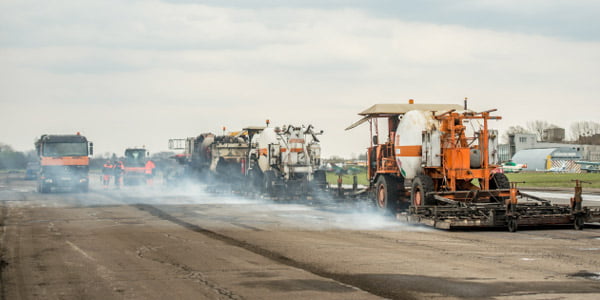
(134, 166)
(196, 157)
(219, 157)
(285, 161)
(438, 164)
(64, 162)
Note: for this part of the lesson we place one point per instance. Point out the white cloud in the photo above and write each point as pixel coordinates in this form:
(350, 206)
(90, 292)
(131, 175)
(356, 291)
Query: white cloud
(141, 72)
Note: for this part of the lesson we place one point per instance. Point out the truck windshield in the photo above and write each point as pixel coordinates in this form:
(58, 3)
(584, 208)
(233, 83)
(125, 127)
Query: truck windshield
(135, 157)
(65, 149)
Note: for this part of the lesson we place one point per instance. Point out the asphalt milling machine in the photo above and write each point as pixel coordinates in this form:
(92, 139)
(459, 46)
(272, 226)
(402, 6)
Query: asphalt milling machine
(438, 165)
(276, 162)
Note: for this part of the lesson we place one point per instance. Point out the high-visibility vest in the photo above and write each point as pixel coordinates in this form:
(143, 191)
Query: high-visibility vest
(149, 167)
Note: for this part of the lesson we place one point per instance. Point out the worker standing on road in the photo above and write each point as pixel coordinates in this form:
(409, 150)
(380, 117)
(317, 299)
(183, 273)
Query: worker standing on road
(107, 171)
(149, 170)
(119, 170)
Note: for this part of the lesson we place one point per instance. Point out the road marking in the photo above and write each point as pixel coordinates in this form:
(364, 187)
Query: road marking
(79, 250)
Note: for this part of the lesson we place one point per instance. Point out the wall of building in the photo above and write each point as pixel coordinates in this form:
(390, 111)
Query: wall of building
(553, 135)
(521, 141)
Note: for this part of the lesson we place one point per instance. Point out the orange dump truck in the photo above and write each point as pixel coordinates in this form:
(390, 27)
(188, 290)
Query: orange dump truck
(64, 162)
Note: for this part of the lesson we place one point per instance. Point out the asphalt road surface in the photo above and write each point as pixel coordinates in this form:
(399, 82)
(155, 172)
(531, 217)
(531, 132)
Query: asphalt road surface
(186, 243)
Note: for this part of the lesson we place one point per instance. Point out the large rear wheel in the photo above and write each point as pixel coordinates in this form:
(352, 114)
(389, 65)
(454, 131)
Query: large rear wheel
(268, 178)
(499, 181)
(421, 185)
(386, 197)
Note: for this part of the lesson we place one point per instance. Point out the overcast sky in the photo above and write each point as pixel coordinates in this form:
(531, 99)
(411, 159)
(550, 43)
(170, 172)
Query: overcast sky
(132, 73)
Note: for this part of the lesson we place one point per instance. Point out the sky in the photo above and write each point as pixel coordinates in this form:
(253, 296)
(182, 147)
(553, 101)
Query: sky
(137, 73)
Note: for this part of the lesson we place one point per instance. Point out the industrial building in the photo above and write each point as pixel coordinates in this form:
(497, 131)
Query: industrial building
(561, 159)
(550, 153)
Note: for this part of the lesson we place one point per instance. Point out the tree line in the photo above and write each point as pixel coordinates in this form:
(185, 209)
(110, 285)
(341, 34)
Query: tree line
(11, 159)
(576, 131)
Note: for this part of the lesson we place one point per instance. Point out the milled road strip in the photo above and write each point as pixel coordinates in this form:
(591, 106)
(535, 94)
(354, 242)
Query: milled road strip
(258, 250)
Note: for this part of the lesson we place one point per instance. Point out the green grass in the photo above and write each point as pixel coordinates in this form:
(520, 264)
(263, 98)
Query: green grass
(554, 179)
(531, 179)
(347, 179)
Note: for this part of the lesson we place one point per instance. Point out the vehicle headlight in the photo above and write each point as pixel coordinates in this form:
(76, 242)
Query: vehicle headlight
(48, 180)
(83, 180)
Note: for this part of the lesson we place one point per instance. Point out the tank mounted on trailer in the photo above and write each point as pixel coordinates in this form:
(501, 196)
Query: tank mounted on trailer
(449, 158)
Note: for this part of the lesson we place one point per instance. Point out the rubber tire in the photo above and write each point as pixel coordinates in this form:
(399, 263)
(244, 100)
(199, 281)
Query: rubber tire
(422, 184)
(578, 223)
(386, 193)
(512, 225)
(268, 183)
(499, 181)
(255, 180)
(320, 178)
(44, 189)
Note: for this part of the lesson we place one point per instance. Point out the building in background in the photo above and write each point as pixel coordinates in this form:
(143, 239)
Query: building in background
(561, 159)
(552, 153)
(553, 135)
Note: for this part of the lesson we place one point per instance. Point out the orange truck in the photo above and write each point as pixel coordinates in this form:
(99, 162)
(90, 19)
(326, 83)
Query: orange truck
(64, 162)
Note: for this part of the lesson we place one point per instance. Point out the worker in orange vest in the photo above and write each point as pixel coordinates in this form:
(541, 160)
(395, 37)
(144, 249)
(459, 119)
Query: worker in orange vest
(149, 170)
(119, 170)
(107, 170)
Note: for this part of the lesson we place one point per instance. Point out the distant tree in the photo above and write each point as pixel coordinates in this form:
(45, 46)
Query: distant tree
(10, 159)
(512, 130)
(583, 129)
(538, 127)
(362, 156)
(31, 156)
(336, 159)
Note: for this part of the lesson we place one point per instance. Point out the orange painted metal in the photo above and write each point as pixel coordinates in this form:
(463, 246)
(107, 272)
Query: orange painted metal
(65, 161)
(409, 150)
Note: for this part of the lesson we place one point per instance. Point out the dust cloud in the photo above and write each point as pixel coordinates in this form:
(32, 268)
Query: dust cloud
(321, 213)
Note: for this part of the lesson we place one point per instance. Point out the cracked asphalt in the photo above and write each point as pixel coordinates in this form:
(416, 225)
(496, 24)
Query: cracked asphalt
(185, 243)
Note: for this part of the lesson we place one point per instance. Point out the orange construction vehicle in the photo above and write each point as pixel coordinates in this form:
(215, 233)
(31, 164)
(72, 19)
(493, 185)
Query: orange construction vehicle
(64, 162)
(134, 166)
(438, 165)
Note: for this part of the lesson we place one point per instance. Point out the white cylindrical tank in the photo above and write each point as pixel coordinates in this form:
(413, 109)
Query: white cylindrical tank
(267, 137)
(409, 141)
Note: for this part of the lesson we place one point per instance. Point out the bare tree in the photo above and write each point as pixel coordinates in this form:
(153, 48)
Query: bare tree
(583, 129)
(538, 127)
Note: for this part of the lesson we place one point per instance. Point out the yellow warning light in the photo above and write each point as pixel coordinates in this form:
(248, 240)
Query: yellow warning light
(411, 101)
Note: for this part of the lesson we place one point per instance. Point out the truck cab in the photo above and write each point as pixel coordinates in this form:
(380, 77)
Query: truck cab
(134, 164)
(64, 162)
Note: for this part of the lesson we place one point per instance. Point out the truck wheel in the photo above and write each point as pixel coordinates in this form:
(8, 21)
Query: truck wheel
(578, 222)
(421, 185)
(320, 179)
(499, 181)
(512, 225)
(254, 180)
(268, 182)
(44, 188)
(386, 196)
